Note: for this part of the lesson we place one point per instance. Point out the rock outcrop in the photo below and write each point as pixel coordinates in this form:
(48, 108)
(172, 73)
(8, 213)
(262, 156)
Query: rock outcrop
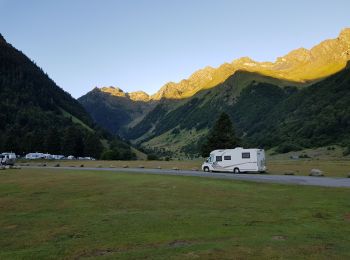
(117, 92)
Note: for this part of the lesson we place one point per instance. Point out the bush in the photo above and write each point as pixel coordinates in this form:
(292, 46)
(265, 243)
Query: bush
(110, 155)
(346, 151)
(288, 147)
(175, 131)
(127, 155)
(152, 157)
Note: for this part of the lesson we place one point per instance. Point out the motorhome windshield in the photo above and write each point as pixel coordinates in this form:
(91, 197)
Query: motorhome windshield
(211, 158)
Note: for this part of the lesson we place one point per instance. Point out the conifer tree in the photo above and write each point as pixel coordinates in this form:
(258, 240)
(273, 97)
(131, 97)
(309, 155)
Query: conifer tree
(53, 141)
(72, 143)
(221, 136)
(93, 146)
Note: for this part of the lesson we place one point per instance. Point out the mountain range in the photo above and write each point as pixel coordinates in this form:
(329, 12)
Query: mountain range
(176, 118)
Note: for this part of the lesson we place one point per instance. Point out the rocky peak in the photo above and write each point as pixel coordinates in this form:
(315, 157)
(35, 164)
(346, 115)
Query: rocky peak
(202, 75)
(345, 35)
(244, 61)
(300, 55)
(114, 91)
(169, 90)
(139, 96)
(117, 92)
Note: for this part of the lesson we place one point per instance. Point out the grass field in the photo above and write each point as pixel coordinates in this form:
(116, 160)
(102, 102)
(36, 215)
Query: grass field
(50, 214)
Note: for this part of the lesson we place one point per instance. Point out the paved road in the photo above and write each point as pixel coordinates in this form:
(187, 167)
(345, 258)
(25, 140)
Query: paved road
(284, 179)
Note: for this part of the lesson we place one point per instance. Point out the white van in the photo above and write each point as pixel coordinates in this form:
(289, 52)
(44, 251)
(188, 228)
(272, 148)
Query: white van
(236, 160)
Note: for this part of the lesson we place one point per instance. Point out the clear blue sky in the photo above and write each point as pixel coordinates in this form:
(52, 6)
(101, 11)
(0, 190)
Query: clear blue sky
(140, 45)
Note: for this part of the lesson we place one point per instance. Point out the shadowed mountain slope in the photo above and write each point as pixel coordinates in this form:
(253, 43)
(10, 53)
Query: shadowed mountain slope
(37, 115)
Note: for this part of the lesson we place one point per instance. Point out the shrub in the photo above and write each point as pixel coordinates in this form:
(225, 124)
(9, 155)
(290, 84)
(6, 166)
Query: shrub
(176, 131)
(288, 147)
(152, 157)
(110, 155)
(346, 151)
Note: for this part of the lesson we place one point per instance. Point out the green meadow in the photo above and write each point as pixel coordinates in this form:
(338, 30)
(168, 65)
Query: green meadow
(63, 214)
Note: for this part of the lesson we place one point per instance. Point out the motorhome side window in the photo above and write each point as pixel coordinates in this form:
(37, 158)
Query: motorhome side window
(245, 155)
(227, 158)
(218, 158)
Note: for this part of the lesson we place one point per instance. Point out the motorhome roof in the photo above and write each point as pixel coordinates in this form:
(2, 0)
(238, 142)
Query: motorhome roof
(235, 149)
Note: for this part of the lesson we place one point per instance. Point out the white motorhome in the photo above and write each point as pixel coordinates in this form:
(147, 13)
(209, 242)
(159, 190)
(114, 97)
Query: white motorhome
(236, 160)
(33, 156)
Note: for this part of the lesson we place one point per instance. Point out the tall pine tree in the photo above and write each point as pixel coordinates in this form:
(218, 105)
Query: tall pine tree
(53, 141)
(72, 143)
(93, 146)
(221, 136)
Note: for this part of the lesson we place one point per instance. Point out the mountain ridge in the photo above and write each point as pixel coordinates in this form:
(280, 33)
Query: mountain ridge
(2, 39)
(299, 65)
(118, 92)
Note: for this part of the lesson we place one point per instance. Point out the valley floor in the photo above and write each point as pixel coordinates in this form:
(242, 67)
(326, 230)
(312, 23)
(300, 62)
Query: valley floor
(46, 213)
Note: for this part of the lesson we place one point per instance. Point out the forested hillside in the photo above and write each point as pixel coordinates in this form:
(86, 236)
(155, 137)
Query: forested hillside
(315, 116)
(37, 115)
(264, 115)
(168, 124)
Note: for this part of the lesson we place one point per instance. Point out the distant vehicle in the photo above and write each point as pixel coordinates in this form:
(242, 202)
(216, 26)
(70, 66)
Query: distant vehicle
(33, 156)
(71, 157)
(89, 158)
(236, 160)
(86, 158)
(48, 156)
(7, 158)
(57, 157)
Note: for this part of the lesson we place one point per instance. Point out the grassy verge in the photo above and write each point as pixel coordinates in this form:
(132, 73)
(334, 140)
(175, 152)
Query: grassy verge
(302, 167)
(77, 215)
